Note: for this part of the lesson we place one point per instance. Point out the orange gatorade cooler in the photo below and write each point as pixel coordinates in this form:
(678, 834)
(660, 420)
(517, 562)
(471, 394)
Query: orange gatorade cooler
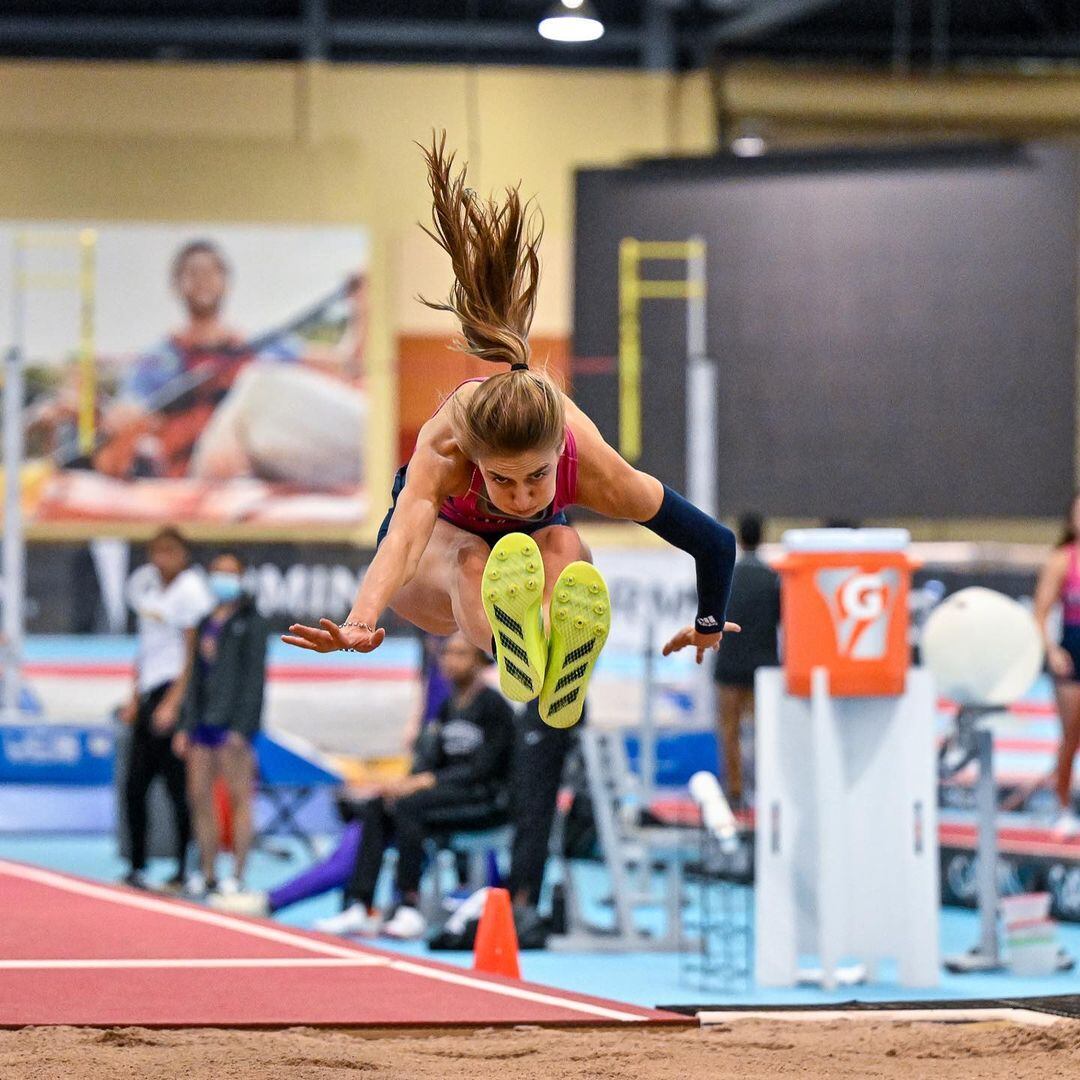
(844, 603)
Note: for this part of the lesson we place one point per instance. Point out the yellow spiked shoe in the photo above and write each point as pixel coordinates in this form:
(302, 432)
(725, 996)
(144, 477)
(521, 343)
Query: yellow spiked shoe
(513, 595)
(580, 621)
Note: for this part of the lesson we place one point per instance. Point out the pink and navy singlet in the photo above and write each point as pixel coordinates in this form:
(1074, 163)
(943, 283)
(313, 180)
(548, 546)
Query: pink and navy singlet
(475, 514)
(1070, 591)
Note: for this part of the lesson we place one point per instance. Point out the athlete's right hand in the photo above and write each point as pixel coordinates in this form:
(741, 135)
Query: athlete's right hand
(329, 637)
(1060, 662)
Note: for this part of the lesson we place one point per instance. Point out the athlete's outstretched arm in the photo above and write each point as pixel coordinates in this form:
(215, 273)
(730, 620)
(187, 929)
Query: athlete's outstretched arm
(394, 564)
(611, 486)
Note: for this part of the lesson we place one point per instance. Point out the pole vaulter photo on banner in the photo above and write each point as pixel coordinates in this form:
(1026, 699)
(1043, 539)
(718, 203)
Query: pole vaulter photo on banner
(213, 375)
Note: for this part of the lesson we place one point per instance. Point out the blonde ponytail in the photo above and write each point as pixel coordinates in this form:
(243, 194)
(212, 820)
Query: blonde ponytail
(493, 248)
(494, 251)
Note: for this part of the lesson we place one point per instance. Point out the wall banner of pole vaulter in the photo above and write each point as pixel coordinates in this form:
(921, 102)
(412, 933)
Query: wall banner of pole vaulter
(635, 288)
(210, 374)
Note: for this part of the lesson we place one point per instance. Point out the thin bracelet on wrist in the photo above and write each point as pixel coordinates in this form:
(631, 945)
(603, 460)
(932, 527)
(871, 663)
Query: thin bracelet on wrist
(359, 626)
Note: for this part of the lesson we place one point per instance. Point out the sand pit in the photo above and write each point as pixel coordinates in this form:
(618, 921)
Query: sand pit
(746, 1049)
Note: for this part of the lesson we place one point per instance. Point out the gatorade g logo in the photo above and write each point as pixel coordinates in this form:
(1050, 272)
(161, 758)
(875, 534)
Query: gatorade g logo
(860, 605)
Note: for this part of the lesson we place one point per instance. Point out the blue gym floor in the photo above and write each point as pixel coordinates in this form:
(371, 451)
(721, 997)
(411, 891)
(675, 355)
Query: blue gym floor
(640, 978)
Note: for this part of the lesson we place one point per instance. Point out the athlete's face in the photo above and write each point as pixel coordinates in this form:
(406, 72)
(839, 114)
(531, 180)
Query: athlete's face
(460, 662)
(201, 284)
(522, 485)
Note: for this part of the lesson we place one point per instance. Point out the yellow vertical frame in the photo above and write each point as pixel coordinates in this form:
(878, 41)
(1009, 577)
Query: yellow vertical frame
(81, 280)
(632, 290)
(87, 358)
(629, 349)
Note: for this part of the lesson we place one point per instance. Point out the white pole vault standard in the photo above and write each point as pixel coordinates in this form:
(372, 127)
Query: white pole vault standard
(25, 278)
(701, 417)
(700, 410)
(14, 549)
(701, 387)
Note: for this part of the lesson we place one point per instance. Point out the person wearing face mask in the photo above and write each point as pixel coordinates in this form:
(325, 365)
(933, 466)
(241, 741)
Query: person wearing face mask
(221, 716)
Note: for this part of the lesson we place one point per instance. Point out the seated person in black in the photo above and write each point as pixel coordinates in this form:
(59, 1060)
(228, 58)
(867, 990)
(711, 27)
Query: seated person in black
(459, 780)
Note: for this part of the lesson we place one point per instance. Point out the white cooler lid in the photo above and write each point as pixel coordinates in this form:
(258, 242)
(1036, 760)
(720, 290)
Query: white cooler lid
(843, 540)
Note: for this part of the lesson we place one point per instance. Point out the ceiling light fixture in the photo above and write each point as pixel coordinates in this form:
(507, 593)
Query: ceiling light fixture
(571, 21)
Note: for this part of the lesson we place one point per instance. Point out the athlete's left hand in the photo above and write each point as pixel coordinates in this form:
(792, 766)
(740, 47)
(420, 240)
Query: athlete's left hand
(691, 637)
(328, 637)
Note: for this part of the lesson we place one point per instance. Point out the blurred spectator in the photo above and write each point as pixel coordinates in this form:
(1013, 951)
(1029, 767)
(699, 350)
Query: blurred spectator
(459, 780)
(169, 598)
(755, 606)
(540, 754)
(434, 690)
(222, 715)
(1059, 581)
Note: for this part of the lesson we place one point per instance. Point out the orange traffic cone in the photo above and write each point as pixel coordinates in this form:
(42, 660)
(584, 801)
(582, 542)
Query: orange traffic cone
(496, 951)
(223, 813)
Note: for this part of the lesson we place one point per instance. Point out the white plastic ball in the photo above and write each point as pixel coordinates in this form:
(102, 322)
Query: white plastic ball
(982, 647)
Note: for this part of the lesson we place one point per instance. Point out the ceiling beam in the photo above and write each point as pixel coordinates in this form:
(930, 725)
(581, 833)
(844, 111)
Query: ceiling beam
(89, 30)
(309, 33)
(315, 17)
(460, 34)
(659, 47)
(876, 45)
(765, 17)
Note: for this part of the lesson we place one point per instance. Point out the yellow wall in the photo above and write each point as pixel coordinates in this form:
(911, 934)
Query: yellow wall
(333, 144)
(322, 144)
(313, 143)
(328, 144)
(801, 98)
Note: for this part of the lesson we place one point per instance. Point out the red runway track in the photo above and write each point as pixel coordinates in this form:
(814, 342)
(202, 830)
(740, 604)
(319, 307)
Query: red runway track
(51, 669)
(74, 952)
(1012, 839)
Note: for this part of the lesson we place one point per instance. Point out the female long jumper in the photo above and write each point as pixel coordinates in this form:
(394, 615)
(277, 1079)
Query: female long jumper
(477, 537)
